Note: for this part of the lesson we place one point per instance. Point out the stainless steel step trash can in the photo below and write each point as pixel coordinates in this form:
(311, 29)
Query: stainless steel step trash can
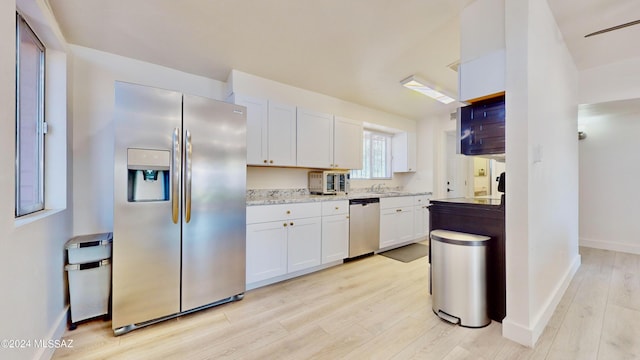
(459, 277)
(89, 275)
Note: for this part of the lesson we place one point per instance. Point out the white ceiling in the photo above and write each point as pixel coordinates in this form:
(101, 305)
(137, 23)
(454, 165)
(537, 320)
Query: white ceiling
(356, 50)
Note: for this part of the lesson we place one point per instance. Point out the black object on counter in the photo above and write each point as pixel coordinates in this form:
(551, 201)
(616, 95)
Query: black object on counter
(501, 182)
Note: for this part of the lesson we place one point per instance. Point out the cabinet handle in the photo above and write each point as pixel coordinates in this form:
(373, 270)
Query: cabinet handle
(285, 224)
(265, 161)
(347, 216)
(270, 161)
(398, 210)
(288, 212)
(337, 207)
(291, 223)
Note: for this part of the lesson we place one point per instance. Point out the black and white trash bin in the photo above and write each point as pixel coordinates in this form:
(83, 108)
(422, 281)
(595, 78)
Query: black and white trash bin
(459, 277)
(89, 274)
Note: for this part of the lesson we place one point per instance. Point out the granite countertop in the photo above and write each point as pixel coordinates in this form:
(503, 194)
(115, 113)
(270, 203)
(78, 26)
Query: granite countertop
(289, 196)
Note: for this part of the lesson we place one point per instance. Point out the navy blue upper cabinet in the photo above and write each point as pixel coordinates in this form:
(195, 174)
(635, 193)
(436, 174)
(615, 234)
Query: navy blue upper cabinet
(482, 127)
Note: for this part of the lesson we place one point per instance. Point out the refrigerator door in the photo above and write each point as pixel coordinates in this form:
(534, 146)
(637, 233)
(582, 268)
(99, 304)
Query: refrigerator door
(146, 242)
(214, 215)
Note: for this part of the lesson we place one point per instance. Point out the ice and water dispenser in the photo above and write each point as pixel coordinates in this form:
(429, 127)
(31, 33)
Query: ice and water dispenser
(148, 174)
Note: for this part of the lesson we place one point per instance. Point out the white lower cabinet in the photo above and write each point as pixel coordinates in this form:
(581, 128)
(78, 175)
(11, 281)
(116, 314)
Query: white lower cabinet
(396, 221)
(266, 251)
(335, 231)
(287, 238)
(304, 243)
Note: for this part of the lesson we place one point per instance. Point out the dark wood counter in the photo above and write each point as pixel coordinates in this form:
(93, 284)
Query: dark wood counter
(480, 216)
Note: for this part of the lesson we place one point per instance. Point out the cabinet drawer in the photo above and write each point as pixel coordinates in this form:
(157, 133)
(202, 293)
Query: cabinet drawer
(420, 200)
(335, 207)
(265, 213)
(396, 202)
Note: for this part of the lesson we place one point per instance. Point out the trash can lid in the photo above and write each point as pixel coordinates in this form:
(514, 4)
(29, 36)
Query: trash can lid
(459, 238)
(89, 240)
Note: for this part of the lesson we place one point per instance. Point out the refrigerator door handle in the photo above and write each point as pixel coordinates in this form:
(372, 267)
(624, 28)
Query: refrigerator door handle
(187, 180)
(175, 176)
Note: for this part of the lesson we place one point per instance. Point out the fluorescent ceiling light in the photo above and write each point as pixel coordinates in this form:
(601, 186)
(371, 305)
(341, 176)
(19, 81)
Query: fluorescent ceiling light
(416, 84)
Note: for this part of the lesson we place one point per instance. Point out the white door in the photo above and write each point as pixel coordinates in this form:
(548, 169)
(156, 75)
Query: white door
(282, 134)
(304, 243)
(257, 126)
(315, 139)
(266, 250)
(335, 237)
(347, 143)
(456, 169)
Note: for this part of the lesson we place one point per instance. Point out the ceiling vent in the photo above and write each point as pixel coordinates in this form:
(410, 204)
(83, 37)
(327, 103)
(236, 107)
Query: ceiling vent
(617, 27)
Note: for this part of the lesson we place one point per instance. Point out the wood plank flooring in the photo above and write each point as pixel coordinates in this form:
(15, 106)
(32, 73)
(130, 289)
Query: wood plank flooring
(379, 308)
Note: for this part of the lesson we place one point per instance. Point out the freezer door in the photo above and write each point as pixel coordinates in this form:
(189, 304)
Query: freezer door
(146, 242)
(214, 221)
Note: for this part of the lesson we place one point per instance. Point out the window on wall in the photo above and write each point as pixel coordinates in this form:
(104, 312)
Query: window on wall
(30, 125)
(376, 159)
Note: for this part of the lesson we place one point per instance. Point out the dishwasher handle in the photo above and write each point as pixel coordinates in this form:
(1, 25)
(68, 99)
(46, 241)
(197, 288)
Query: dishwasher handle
(364, 202)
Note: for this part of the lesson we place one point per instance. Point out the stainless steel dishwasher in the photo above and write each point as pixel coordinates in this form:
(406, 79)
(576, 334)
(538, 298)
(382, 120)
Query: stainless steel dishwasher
(364, 226)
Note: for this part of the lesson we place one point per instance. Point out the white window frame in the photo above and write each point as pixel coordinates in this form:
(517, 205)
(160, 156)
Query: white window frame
(370, 161)
(37, 180)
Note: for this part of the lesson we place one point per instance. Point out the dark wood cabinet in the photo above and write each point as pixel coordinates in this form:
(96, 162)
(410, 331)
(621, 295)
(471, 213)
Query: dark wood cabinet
(482, 127)
(482, 217)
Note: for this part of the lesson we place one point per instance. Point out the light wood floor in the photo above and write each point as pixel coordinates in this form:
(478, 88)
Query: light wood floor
(379, 308)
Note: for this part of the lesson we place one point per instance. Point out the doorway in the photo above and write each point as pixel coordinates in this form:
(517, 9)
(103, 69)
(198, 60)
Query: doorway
(456, 168)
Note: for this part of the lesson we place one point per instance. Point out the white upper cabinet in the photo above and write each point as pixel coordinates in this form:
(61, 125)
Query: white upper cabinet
(282, 134)
(271, 132)
(325, 141)
(347, 143)
(482, 67)
(315, 139)
(403, 150)
(257, 126)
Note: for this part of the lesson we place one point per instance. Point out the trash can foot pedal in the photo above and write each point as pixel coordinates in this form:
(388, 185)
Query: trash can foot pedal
(449, 318)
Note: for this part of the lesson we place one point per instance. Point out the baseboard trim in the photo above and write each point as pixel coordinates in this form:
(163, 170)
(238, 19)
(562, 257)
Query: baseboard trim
(611, 245)
(55, 333)
(529, 336)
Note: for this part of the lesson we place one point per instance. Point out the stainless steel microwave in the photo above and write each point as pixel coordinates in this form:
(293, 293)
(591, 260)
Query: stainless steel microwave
(330, 182)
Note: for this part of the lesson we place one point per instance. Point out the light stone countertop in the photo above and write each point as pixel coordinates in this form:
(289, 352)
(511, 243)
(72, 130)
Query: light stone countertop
(290, 196)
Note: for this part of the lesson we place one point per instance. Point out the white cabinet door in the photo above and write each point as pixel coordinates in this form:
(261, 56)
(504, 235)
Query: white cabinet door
(282, 134)
(315, 139)
(403, 151)
(347, 143)
(257, 128)
(304, 243)
(266, 250)
(421, 223)
(421, 216)
(335, 237)
(396, 226)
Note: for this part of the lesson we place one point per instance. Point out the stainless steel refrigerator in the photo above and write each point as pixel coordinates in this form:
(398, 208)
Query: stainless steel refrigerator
(179, 204)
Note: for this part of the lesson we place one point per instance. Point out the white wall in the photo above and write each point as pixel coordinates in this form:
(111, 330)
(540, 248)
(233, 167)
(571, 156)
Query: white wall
(608, 219)
(33, 301)
(542, 169)
(609, 173)
(616, 81)
(482, 34)
(94, 75)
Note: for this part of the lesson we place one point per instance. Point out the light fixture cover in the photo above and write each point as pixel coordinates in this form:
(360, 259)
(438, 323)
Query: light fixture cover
(416, 84)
